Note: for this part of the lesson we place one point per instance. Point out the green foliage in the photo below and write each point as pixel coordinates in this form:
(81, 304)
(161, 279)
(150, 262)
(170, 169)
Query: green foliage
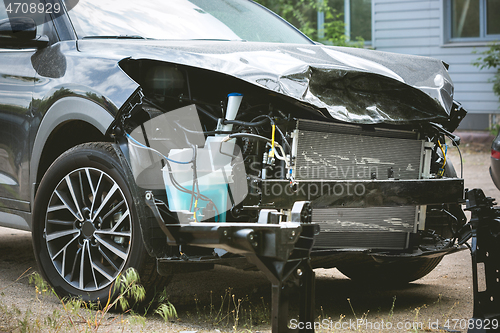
(166, 311)
(303, 15)
(41, 287)
(491, 59)
(335, 30)
(300, 13)
(128, 287)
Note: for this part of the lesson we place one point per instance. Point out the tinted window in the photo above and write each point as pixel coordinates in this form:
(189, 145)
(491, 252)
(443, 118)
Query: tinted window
(182, 19)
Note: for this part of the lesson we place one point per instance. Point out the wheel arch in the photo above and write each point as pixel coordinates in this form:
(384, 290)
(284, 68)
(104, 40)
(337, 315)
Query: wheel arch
(69, 122)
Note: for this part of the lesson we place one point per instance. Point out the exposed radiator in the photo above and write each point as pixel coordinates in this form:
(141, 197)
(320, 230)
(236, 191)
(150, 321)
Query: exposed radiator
(329, 151)
(373, 227)
(340, 152)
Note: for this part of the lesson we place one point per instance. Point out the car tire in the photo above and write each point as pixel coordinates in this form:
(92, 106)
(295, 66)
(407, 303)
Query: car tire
(390, 273)
(86, 227)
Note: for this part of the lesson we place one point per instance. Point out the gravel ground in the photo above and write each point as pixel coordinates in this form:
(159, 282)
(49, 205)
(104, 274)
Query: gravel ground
(423, 306)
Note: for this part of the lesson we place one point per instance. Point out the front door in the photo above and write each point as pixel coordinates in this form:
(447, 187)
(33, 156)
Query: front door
(16, 89)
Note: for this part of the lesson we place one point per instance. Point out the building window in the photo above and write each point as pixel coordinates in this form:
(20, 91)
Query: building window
(357, 16)
(359, 13)
(473, 20)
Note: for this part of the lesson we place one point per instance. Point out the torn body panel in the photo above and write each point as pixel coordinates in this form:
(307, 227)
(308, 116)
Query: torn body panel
(351, 85)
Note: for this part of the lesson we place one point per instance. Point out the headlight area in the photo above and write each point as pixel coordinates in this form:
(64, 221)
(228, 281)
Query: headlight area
(213, 149)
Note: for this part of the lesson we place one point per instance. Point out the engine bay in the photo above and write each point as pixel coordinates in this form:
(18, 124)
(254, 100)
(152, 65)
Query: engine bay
(226, 152)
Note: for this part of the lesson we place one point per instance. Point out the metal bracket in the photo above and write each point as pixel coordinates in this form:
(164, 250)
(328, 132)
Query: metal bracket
(282, 251)
(302, 212)
(125, 112)
(485, 250)
(288, 276)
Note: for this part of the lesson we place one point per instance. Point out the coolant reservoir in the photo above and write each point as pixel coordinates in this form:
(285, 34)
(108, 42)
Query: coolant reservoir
(214, 173)
(161, 156)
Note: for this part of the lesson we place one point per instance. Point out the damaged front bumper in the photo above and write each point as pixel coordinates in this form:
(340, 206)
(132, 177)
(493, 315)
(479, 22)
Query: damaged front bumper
(363, 193)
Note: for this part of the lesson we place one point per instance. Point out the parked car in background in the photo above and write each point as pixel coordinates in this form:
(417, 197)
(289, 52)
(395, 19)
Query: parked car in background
(495, 161)
(112, 101)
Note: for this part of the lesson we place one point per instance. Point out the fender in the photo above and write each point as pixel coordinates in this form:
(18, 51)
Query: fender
(153, 237)
(65, 109)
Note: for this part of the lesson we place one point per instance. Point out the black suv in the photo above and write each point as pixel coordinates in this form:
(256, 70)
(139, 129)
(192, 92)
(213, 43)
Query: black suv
(224, 113)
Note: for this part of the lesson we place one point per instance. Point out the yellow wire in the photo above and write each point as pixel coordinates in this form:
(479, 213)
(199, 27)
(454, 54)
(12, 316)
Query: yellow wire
(195, 206)
(271, 154)
(444, 156)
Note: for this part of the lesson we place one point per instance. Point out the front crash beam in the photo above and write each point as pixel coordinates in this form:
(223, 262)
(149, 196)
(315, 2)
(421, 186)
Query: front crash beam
(362, 193)
(282, 251)
(484, 229)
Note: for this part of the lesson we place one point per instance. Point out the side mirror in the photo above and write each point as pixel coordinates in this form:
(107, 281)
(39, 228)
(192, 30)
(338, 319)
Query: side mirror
(20, 32)
(18, 27)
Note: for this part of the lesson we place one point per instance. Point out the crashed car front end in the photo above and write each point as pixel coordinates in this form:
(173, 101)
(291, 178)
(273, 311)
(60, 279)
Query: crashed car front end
(225, 125)
(365, 148)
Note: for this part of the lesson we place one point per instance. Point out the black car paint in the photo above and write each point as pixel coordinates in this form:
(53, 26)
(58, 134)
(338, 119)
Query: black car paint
(50, 87)
(16, 85)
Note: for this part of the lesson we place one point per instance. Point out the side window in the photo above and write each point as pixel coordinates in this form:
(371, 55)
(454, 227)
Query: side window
(47, 29)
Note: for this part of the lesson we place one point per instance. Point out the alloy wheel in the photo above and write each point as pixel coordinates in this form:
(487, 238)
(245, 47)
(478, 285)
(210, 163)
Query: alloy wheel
(88, 229)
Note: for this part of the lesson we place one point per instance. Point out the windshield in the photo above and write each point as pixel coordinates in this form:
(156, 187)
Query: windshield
(240, 20)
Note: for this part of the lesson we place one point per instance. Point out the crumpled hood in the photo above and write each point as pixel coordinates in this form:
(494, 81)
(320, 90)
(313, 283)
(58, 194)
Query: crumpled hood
(353, 85)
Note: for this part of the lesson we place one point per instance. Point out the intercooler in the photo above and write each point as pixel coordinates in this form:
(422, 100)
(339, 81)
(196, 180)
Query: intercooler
(328, 151)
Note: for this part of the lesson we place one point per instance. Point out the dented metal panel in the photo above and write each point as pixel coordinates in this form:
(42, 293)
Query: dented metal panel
(350, 85)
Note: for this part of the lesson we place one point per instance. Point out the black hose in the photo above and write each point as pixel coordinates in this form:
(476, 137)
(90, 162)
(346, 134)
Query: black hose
(206, 113)
(455, 143)
(284, 140)
(248, 110)
(244, 123)
(460, 153)
(263, 116)
(185, 190)
(250, 135)
(217, 132)
(277, 128)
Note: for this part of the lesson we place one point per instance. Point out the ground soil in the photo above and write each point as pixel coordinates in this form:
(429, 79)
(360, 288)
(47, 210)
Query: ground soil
(441, 300)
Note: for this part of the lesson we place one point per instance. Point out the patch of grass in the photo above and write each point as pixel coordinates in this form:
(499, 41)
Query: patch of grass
(80, 316)
(53, 323)
(128, 288)
(391, 311)
(166, 311)
(227, 312)
(231, 312)
(22, 276)
(14, 320)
